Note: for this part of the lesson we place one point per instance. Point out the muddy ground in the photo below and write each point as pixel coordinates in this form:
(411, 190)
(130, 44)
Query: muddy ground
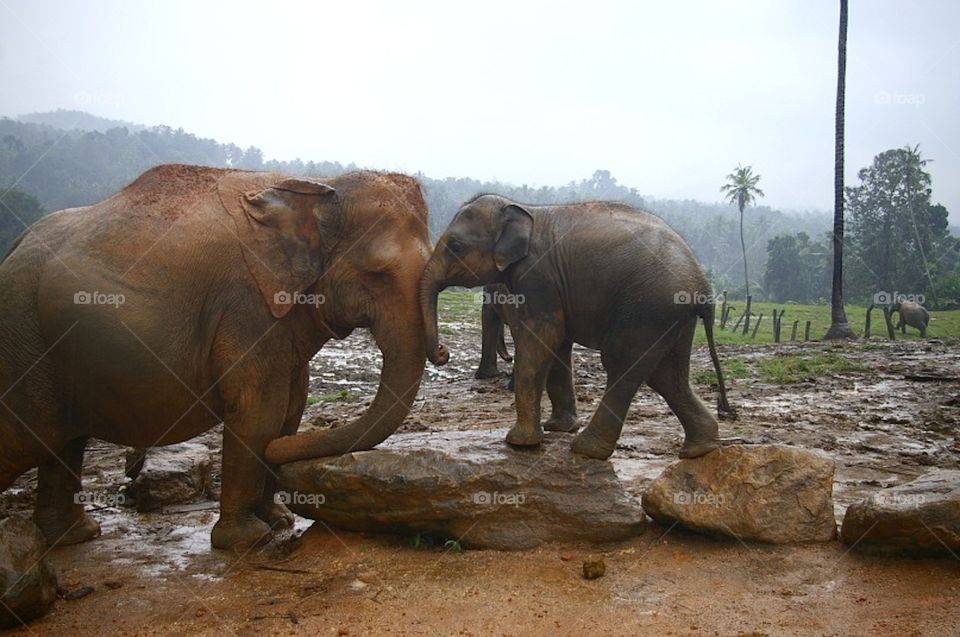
(156, 574)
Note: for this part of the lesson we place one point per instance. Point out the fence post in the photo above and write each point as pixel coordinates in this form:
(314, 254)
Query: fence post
(757, 326)
(793, 333)
(806, 332)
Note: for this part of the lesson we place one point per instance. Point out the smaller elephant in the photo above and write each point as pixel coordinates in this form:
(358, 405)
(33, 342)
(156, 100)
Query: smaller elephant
(912, 314)
(495, 317)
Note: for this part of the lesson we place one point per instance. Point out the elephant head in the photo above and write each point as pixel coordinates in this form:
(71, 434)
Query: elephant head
(331, 256)
(486, 237)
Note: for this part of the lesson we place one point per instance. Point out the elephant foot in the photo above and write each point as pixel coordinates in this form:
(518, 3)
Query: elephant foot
(277, 515)
(524, 437)
(240, 533)
(590, 445)
(567, 423)
(483, 373)
(695, 449)
(59, 532)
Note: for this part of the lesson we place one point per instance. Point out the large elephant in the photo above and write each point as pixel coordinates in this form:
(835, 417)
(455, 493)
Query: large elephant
(495, 318)
(197, 296)
(912, 314)
(603, 275)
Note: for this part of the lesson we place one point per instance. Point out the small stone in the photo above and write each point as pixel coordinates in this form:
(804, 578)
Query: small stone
(566, 557)
(594, 569)
(112, 584)
(28, 584)
(77, 593)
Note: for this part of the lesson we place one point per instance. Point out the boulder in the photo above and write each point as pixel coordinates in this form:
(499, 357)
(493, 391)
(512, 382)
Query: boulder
(467, 486)
(169, 475)
(29, 583)
(919, 518)
(768, 493)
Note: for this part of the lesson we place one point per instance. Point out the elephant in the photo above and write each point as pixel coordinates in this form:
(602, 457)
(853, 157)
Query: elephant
(196, 296)
(912, 314)
(495, 317)
(600, 274)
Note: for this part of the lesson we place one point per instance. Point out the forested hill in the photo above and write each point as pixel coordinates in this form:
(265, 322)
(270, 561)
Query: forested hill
(72, 158)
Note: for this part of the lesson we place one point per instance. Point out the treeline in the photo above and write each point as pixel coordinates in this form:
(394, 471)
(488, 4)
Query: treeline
(71, 158)
(897, 242)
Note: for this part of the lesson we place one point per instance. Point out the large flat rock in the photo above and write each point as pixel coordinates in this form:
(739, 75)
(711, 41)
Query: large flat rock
(919, 518)
(768, 493)
(468, 486)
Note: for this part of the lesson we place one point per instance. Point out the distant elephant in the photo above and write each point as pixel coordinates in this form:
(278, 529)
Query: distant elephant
(603, 275)
(199, 295)
(494, 319)
(912, 314)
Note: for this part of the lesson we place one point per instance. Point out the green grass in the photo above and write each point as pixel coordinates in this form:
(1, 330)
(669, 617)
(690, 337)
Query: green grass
(781, 370)
(942, 324)
(342, 394)
(457, 305)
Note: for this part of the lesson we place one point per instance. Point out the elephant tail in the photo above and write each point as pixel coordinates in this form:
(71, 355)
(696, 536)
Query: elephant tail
(724, 410)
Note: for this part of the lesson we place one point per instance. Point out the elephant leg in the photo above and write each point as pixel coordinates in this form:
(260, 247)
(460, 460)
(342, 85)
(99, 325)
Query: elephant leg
(671, 379)
(250, 422)
(627, 369)
(59, 511)
(536, 347)
(272, 511)
(491, 326)
(563, 399)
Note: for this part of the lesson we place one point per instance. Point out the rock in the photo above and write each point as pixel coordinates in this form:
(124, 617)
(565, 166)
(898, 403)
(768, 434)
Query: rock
(29, 583)
(169, 475)
(770, 493)
(919, 518)
(594, 569)
(469, 486)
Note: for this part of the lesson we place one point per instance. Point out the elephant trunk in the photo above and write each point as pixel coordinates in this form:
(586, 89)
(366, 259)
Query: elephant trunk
(400, 377)
(430, 285)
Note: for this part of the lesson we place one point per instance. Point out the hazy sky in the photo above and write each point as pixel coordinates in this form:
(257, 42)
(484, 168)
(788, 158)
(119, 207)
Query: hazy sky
(669, 96)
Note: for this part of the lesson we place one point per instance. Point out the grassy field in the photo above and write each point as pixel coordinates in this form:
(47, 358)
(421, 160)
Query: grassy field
(464, 306)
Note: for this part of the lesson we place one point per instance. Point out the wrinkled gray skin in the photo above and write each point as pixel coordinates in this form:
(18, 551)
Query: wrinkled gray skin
(912, 314)
(495, 317)
(600, 274)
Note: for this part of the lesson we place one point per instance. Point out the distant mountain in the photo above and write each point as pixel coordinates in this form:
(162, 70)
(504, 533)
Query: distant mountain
(78, 120)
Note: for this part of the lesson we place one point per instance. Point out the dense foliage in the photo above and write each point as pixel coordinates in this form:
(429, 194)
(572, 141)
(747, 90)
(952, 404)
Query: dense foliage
(69, 158)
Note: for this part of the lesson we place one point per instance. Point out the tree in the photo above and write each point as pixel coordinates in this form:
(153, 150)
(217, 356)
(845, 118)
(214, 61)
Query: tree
(839, 326)
(901, 238)
(741, 189)
(17, 211)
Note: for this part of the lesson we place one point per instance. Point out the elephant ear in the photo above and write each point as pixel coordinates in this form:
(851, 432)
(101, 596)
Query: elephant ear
(283, 229)
(513, 242)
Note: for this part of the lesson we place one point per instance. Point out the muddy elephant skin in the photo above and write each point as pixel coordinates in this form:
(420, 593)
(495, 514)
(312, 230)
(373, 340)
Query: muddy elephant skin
(196, 296)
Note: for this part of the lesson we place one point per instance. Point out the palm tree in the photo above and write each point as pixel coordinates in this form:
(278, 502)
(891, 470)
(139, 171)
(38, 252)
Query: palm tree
(839, 326)
(741, 189)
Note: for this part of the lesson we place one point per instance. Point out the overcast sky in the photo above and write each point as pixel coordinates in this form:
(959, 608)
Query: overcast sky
(668, 96)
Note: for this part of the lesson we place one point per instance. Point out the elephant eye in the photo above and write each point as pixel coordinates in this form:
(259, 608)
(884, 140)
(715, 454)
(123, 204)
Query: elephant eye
(455, 247)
